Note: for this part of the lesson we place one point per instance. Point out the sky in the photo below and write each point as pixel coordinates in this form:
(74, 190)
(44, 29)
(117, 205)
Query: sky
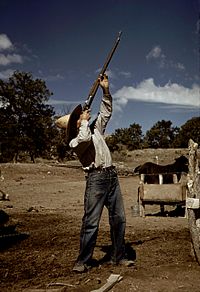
(153, 75)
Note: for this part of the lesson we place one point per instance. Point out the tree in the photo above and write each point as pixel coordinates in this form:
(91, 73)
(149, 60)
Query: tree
(135, 136)
(161, 135)
(26, 120)
(190, 130)
(130, 137)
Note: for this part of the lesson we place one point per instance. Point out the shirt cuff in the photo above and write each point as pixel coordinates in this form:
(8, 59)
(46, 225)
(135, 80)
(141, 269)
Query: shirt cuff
(84, 123)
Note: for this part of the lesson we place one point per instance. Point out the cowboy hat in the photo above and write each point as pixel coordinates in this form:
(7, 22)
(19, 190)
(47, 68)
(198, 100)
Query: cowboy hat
(69, 122)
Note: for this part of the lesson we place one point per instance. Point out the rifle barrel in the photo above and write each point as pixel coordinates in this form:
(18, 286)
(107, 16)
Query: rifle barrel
(95, 86)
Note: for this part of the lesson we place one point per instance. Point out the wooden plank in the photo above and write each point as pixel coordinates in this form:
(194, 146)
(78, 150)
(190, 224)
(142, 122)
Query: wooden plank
(164, 192)
(161, 202)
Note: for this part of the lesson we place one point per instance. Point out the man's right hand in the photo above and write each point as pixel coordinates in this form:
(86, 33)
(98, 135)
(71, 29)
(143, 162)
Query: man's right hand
(85, 115)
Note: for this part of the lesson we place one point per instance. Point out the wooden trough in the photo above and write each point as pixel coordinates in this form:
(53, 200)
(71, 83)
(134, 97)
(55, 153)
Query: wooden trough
(161, 194)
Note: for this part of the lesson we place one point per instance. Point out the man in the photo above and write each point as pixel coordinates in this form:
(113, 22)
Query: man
(102, 185)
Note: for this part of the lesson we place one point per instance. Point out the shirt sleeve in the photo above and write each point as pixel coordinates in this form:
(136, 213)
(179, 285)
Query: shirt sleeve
(84, 135)
(104, 114)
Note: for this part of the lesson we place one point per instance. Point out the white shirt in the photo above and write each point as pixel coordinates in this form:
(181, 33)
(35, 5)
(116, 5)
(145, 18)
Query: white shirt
(92, 149)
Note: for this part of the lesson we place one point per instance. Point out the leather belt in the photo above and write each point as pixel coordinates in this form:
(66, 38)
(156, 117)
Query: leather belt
(101, 169)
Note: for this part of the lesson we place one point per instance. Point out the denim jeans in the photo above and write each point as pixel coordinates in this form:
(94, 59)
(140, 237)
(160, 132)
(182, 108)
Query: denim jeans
(102, 189)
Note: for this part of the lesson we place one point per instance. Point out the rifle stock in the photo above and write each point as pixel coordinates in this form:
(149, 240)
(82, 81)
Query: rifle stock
(95, 85)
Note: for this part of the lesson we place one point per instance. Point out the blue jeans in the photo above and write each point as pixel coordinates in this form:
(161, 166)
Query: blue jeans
(102, 189)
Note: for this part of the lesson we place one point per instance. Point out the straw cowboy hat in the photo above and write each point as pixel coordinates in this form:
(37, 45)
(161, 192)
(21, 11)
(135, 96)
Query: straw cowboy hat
(69, 122)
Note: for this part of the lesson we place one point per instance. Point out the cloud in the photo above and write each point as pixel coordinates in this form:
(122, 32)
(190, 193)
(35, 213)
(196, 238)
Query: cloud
(8, 59)
(5, 42)
(156, 54)
(54, 77)
(178, 66)
(170, 93)
(125, 74)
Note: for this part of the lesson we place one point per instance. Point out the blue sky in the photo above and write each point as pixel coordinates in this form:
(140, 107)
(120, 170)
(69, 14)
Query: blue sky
(154, 74)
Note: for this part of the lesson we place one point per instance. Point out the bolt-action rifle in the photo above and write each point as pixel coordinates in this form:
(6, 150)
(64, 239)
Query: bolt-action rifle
(95, 85)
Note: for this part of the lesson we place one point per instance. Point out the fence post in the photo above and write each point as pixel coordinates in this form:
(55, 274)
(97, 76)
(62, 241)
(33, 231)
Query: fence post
(192, 201)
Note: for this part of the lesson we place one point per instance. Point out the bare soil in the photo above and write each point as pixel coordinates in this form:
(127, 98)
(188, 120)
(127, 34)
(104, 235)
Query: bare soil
(46, 202)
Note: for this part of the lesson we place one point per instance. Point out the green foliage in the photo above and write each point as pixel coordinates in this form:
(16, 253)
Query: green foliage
(130, 137)
(26, 120)
(190, 130)
(161, 135)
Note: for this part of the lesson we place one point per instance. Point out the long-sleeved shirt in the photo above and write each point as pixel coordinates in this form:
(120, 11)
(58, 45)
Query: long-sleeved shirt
(91, 148)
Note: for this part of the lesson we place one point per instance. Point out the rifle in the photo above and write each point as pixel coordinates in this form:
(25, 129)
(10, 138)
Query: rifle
(74, 116)
(95, 85)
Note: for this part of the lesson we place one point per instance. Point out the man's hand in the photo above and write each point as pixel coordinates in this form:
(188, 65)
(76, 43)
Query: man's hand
(103, 81)
(84, 116)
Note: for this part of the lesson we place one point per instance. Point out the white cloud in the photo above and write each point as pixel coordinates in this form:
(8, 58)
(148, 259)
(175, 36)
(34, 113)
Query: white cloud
(7, 55)
(177, 66)
(8, 59)
(156, 54)
(170, 93)
(54, 77)
(5, 42)
(125, 74)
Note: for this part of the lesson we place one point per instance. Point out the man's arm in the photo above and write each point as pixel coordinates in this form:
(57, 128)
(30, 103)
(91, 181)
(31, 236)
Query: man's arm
(105, 111)
(84, 133)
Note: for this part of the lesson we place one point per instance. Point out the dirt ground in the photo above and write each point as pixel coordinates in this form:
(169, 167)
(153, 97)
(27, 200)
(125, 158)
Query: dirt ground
(46, 203)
